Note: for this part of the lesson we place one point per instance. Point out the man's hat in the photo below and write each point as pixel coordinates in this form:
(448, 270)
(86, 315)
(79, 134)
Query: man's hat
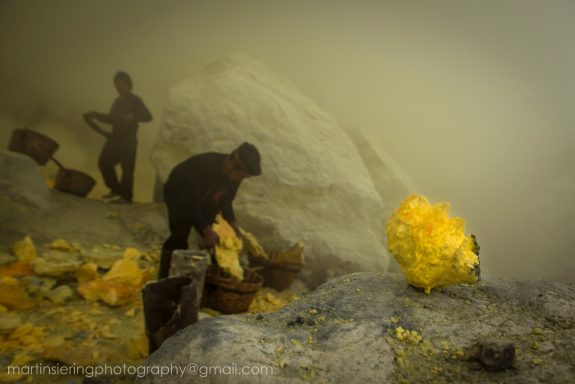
(249, 157)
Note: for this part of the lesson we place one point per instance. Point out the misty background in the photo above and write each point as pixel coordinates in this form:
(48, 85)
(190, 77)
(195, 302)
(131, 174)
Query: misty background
(473, 99)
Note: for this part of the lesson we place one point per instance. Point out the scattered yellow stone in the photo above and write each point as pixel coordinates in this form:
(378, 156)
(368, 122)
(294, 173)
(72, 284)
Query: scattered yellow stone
(13, 295)
(292, 255)
(131, 312)
(537, 361)
(6, 377)
(210, 312)
(24, 250)
(87, 272)
(62, 245)
(537, 331)
(121, 285)
(21, 358)
(132, 254)
(53, 341)
(411, 337)
(270, 300)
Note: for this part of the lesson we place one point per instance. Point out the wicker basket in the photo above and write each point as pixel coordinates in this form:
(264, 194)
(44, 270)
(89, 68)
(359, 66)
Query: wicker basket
(74, 182)
(278, 276)
(36, 145)
(228, 296)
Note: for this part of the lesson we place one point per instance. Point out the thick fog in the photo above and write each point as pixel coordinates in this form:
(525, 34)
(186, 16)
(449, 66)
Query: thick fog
(474, 99)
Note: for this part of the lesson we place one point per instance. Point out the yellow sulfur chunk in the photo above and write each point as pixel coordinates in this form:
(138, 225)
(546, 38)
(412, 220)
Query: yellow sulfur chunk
(61, 245)
(293, 255)
(411, 337)
(87, 272)
(430, 247)
(24, 250)
(132, 254)
(270, 300)
(119, 286)
(13, 295)
(254, 247)
(229, 248)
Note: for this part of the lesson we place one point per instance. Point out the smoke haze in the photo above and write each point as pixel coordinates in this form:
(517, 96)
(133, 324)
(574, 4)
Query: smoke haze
(473, 99)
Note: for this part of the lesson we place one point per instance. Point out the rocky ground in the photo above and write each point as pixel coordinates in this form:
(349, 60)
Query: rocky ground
(374, 328)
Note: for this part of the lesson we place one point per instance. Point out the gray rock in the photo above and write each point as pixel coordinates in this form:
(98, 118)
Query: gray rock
(374, 328)
(30, 208)
(21, 179)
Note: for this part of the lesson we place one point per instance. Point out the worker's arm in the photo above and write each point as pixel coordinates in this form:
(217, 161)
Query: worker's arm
(199, 222)
(226, 205)
(141, 112)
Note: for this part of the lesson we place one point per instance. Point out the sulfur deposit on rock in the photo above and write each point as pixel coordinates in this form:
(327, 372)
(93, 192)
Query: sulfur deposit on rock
(228, 250)
(430, 247)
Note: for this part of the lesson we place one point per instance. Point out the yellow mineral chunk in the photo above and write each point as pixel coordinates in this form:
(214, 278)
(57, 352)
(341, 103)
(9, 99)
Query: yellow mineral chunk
(61, 245)
(132, 254)
(430, 247)
(18, 268)
(21, 358)
(229, 248)
(293, 255)
(119, 286)
(24, 250)
(87, 272)
(411, 337)
(210, 312)
(269, 300)
(253, 245)
(6, 377)
(13, 295)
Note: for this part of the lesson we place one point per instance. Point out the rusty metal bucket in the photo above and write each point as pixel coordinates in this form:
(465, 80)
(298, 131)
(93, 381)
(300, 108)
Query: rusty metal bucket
(36, 145)
(72, 181)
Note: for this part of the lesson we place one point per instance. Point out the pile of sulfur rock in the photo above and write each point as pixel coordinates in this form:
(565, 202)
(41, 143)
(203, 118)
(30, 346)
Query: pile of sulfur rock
(61, 303)
(65, 303)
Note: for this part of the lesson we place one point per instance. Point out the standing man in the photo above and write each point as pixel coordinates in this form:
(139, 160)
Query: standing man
(198, 189)
(120, 148)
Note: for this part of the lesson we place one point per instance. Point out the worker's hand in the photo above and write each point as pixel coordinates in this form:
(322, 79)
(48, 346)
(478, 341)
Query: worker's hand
(211, 238)
(236, 229)
(129, 118)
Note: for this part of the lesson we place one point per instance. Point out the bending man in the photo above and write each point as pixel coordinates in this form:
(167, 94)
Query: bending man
(198, 189)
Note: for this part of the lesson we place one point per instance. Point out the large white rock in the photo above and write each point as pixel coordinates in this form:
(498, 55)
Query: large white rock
(315, 186)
